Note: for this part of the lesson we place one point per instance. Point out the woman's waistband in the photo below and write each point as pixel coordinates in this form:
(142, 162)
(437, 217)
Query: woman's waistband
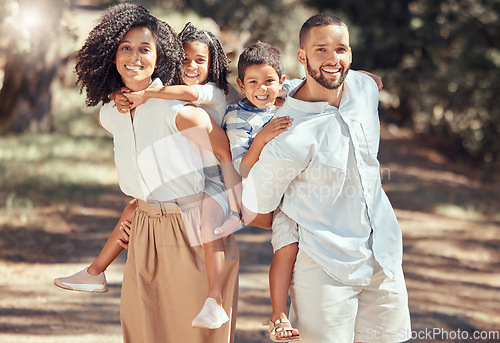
(155, 207)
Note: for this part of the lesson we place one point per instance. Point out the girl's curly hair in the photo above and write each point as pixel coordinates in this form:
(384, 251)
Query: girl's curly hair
(95, 68)
(218, 69)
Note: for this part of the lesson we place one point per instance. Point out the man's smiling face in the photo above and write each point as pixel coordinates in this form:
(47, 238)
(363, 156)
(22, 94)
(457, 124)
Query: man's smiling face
(326, 55)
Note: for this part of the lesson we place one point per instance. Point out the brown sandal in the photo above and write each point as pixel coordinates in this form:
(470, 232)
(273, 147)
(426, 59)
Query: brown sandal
(274, 329)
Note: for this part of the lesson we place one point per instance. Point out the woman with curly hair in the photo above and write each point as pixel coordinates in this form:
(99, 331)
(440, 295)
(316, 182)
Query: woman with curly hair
(160, 148)
(205, 71)
(95, 67)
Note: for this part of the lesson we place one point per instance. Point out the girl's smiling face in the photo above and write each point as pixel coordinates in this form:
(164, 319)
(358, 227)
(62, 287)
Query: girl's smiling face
(196, 63)
(136, 58)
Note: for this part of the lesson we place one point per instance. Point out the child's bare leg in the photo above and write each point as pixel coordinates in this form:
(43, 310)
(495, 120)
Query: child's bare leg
(212, 315)
(212, 217)
(112, 248)
(280, 275)
(214, 259)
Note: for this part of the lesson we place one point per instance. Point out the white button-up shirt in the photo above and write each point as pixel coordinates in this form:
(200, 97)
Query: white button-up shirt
(325, 171)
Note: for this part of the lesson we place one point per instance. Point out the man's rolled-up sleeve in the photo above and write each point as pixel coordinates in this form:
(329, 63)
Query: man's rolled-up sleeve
(269, 178)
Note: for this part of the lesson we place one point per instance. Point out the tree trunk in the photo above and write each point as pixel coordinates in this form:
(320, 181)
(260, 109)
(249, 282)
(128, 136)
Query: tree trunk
(26, 95)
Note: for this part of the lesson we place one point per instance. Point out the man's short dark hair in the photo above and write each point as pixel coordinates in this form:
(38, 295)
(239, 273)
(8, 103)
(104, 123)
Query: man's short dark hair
(321, 19)
(258, 53)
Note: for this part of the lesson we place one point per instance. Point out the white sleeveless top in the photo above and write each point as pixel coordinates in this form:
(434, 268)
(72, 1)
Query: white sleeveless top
(154, 160)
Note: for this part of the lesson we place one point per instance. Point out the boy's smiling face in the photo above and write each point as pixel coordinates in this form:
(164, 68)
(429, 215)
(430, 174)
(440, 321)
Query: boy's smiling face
(261, 85)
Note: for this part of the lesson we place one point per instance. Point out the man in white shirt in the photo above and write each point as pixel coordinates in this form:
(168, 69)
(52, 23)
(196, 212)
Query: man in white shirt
(348, 283)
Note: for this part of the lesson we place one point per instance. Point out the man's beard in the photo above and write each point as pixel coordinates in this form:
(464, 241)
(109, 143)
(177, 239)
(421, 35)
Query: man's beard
(318, 76)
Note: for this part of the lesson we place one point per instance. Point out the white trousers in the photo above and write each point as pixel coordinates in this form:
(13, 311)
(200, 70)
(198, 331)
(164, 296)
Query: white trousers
(326, 311)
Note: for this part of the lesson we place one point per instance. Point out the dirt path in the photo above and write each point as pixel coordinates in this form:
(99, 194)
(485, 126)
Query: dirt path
(450, 224)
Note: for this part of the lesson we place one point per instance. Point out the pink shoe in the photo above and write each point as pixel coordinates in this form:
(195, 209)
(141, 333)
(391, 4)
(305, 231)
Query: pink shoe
(83, 281)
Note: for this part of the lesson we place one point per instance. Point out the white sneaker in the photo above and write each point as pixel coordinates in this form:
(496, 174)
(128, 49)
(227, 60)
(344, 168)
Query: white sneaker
(83, 281)
(211, 316)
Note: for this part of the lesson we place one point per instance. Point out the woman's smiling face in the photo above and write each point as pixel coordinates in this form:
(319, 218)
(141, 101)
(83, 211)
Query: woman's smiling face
(136, 58)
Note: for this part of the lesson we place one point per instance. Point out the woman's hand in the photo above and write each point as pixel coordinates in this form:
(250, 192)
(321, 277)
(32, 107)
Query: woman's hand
(125, 234)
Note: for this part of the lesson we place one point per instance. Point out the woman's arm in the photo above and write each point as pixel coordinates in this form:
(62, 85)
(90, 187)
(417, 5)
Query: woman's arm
(196, 124)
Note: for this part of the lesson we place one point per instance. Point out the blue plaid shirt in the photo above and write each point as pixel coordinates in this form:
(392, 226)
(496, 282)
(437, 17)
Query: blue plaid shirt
(242, 123)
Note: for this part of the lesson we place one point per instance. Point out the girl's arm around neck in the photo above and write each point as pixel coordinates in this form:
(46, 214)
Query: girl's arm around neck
(176, 92)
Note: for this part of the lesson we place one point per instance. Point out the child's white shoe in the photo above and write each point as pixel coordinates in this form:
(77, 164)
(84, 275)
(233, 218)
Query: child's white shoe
(211, 316)
(83, 281)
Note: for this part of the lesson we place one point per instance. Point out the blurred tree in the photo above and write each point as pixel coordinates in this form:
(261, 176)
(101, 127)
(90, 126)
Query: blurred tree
(258, 17)
(440, 61)
(30, 30)
(244, 21)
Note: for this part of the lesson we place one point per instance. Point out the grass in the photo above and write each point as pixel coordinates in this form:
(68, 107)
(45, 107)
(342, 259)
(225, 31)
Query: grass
(68, 165)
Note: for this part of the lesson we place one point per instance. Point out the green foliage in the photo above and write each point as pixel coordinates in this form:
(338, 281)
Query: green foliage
(440, 61)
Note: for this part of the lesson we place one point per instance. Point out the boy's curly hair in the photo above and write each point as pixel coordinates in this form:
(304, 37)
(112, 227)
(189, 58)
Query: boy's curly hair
(218, 69)
(95, 67)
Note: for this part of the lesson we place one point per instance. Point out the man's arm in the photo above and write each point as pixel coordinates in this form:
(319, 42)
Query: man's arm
(269, 131)
(267, 182)
(262, 220)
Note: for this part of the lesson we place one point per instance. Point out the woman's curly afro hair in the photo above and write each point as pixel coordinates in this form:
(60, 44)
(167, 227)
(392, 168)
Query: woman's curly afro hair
(95, 67)
(218, 69)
